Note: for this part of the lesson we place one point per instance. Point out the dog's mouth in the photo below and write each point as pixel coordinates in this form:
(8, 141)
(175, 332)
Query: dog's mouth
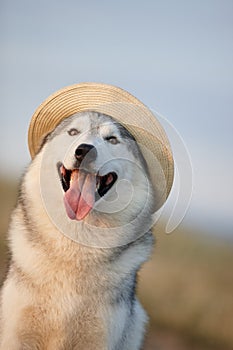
(82, 189)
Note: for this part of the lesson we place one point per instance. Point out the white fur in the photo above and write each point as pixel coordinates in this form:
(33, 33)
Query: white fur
(62, 273)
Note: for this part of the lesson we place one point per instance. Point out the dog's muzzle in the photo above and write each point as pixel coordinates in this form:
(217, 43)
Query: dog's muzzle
(83, 187)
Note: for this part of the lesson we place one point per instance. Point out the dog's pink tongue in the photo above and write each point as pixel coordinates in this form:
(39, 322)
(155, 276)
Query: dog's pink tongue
(80, 198)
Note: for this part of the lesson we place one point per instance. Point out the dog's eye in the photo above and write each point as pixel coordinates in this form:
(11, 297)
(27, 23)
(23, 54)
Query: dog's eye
(112, 139)
(73, 132)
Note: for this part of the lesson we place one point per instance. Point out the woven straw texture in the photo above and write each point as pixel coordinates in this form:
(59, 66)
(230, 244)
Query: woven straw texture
(121, 106)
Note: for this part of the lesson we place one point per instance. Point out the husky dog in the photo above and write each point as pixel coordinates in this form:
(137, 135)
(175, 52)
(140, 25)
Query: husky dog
(78, 236)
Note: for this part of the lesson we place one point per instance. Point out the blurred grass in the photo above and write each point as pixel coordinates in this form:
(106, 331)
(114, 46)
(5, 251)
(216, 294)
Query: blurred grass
(8, 194)
(187, 286)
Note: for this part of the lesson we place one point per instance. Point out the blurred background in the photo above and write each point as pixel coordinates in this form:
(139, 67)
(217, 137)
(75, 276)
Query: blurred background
(177, 58)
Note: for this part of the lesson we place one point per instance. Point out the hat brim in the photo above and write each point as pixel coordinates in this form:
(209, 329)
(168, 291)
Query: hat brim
(121, 106)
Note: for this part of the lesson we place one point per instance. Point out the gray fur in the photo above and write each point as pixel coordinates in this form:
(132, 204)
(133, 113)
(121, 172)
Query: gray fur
(65, 294)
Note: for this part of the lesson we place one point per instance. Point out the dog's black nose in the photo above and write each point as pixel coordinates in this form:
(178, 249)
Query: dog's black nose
(84, 149)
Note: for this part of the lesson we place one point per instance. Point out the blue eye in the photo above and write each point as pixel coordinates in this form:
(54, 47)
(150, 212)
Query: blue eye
(73, 132)
(112, 139)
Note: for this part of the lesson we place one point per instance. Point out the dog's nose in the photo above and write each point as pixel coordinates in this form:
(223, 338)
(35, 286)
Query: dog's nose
(84, 149)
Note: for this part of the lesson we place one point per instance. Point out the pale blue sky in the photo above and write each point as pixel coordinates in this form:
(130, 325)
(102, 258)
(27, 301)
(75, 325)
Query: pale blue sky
(175, 56)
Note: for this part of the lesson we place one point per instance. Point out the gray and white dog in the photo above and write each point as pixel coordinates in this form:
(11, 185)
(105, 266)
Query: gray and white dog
(78, 236)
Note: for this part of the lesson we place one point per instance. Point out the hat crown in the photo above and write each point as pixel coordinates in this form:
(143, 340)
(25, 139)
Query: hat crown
(121, 106)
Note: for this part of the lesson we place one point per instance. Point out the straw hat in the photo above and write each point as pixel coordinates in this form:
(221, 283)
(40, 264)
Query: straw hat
(121, 106)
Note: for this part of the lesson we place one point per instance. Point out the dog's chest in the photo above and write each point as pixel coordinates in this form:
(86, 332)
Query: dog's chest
(89, 322)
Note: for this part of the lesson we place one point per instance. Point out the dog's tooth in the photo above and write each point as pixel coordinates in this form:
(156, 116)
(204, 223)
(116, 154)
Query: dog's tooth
(97, 182)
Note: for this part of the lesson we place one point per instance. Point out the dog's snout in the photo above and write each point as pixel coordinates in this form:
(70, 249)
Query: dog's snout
(84, 149)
